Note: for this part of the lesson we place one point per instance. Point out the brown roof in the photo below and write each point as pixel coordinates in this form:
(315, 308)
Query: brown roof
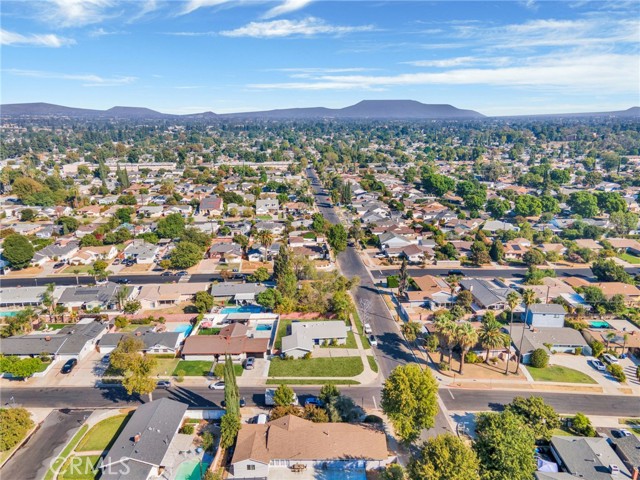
(615, 288)
(624, 243)
(235, 329)
(219, 345)
(293, 438)
(429, 284)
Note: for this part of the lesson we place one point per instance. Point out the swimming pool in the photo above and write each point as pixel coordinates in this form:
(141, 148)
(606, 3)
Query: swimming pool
(191, 470)
(599, 324)
(262, 327)
(8, 314)
(243, 309)
(337, 474)
(186, 329)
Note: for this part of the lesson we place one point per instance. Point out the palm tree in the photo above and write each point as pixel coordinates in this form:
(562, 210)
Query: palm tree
(528, 298)
(609, 337)
(265, 238)
(513, 299)
(491, 335)
(440, 323)
(466, 337)
(121, 296)
(453, 281)
(410, 330)
(625, 339)
(446, 331)
(48, 301)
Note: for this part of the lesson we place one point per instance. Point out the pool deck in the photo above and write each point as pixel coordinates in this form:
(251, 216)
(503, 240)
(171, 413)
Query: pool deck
(310, 473)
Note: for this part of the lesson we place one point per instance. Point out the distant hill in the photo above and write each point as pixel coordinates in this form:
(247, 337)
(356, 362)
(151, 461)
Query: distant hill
(366, 109)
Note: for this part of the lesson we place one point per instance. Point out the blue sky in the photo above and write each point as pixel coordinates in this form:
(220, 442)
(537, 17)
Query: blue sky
(186, 56)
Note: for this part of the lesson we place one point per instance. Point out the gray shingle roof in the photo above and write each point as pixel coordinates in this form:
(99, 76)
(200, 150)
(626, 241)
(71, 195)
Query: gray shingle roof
(588, 457)
(547, 308)
(101, 293)
(155, 423)
(231, 289)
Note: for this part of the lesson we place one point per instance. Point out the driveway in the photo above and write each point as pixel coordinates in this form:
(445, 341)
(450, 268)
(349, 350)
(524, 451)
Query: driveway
(88, 371)
(32, 461)
(582, 364)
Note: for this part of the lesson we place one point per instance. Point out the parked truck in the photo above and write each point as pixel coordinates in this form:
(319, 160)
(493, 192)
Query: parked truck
(269, 393)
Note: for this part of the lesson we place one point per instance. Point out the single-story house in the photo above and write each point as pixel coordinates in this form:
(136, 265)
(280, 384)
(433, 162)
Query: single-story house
(588, 457)
(487, 294)
(100, 296)
(139, 451)
(72, 341)
(561, 340)
(239, 292)
(628, 449)
(154, 342)
(164, 295)
(88, 255)
(26, 296)
(212, 205)
(267, 205)
(142, 252)
(61, 251)
(261, 449)
(545, 315)
(434, 292)
(232, 340)
(306, 335)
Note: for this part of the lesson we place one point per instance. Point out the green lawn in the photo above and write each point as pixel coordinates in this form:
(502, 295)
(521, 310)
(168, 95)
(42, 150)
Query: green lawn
(193, 368)
(627, 257)
(351, 342)
(58, 462)
(165, 366)
(80, 468)
(556, 373)
(317, 367)
(103, 433)
(372, 363)
(272, 381)
(363, 337)
(209, 331)
(82, 269)
(283, 327)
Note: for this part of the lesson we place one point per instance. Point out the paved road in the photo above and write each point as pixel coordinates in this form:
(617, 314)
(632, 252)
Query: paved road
(32, 461)
(87, 280)
(490, 272)
(564, 403)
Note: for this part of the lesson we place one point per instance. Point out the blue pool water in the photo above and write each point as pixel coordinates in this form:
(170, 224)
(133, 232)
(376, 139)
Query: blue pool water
(190, 470)
(263, 327)
(243, 309)
(336, 474)
(186, 329)
(599, 324)
(8, 314)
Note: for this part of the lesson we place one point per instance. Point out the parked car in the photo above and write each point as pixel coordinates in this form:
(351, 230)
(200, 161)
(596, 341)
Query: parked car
(59, 265)
(183, 273)
(69, 365)
(373, 341)
(106, 359)
(166, 274)
(216, 386)
(243, 402)
(261, 419)
(622, 432)
(610, 359)
(367, 329)
(116, 262)
(123, 281)
(313, 401)
(163, 384)
(598, 365)
(249, 363)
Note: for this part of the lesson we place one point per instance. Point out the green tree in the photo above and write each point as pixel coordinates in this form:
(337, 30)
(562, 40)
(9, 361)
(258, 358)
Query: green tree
(534, 257)
(283, 396)
(171, 226)
(466, 337)
(18, 251)
(337, 238)
(261, 274)
(229, 428)
(528, 206)
(513, 300)
(409, 399)
(542, 418)
(135, 367)
(185, 255)
(341, 304)
(444, 457)
(15, 423)
(27, 215)
(269, 298)
(437, 184)
(411, 330)
(608, 271)
(504, 445)
(497, 207)
(328, 391)
(584, 204)
(479, 253)
(491, 335)
(393, 471)
(20, 367)
(496, 252)
(581, 425)
(265, 238)
(69, 224)
(203, 301)
(403, 278)
(539, 358)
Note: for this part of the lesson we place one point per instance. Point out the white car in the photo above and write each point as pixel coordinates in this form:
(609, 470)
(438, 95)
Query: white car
(373, 341)
(610, 359)
(598, 365)
(367, 329)
(217, 386)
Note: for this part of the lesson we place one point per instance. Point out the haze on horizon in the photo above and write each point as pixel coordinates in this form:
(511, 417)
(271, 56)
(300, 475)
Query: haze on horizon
(187, 56)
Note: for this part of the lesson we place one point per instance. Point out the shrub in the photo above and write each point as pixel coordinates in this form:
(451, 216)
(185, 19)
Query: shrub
(432, 343)
(597, 348)
(392, 282)
(638, 373)
(187, 429)
(444, 366)
(617, 372)
(372, 419)
(121, 322)
(539, 358)
(180, 375)
(307, 356)
(472, 357)
(577, 351)
(581, 425)
(218, 370)
(15, 423)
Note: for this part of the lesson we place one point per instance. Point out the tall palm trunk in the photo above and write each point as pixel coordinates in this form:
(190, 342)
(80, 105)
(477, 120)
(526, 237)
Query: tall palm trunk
(509, 346)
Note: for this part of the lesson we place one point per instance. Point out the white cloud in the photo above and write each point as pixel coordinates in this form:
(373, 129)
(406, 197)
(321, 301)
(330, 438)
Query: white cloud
(285, 28)
(36, 40)
(193, 5)
(147, 7)
(88, 80)
(459, 61)
(287, 6)
(73, 13)
(101, 32)
(191, 34)
(615, 73)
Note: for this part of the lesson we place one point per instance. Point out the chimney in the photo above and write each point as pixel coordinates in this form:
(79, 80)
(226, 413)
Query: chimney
(47, 338)
(635, 474)
(136, 438)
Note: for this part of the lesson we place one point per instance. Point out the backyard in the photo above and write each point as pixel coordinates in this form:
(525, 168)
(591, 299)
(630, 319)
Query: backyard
(557, 373)
(317, 367)
(209, 331)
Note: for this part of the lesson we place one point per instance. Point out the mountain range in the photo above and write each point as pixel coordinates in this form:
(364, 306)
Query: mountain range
(366, 109)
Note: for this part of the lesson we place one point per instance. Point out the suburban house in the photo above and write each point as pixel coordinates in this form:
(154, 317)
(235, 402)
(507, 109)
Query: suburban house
(311, 252)
(140, 449)
(232, 340)
(631, 293)
(100, 296)
(264, 206)
(276, 228)
(621, 341)
(545, 315)
(306, 335)
(142, 252)
(26, 296)
(88, 255)
(60, 252)
(241, 293)
(212, 205)
(225, 252)
(71, 341)
(588, 457)
(516, 248)
(155, 342)
(168, 294)
(434, 292)
(628, 449)
(487, 294)
(550, 339)
(556, 289)
(262, 449)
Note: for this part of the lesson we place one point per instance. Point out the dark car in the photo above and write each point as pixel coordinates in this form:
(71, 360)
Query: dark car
(183, 273)
(456, 272)
(313, 401)
(249, 363)
(166, 274)
(123, 281)
(69, 365)
(163, 384)
(59, 265)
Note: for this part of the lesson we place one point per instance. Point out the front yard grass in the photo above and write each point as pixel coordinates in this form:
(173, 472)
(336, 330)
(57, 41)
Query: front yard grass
(80, 468)
(103, 433)
(627, 257)
(165, 366)
(557, 373)
(193, 368)
(317, 367)
(273, 381)
(372, 363)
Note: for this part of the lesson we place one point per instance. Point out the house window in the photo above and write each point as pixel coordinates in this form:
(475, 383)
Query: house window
(251, 467)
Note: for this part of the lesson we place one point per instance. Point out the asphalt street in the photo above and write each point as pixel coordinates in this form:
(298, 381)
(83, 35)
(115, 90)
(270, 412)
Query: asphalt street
(32, 461)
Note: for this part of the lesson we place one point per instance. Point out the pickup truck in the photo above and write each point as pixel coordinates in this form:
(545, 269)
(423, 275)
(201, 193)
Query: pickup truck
(268, 397)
